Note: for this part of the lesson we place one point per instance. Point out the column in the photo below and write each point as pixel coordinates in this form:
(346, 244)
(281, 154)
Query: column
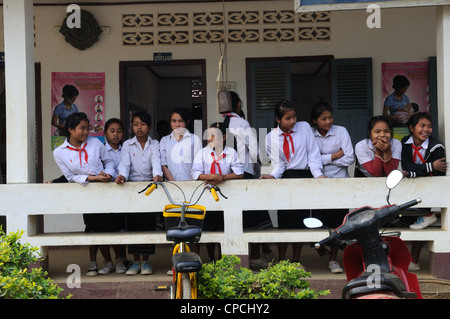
(440, 252)
(20, 95)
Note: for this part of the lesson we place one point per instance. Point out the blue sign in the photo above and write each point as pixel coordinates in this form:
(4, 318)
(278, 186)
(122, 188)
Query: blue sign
(318, 5)
(320, 2)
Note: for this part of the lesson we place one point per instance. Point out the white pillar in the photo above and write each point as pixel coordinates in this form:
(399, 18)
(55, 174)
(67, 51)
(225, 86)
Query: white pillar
(443, 75)
(20, 95)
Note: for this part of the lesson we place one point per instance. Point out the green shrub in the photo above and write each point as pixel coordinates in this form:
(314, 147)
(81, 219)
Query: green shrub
(225, 279)
(17, 279)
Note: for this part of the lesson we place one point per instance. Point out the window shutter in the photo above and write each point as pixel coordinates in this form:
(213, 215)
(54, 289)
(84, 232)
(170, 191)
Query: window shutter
(352, 95)
(270, 83)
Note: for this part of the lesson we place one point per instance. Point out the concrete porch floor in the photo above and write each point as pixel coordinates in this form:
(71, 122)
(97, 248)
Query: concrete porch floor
(121, 286)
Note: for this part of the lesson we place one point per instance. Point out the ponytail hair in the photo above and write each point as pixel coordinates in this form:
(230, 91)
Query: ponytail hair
(235, 99)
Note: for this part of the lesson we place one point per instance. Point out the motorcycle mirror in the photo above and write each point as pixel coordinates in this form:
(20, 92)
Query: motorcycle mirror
(312, 222)
(394, 178)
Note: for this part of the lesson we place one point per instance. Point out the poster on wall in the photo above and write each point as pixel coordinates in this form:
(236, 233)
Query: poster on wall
(90, 87)
(415, 97)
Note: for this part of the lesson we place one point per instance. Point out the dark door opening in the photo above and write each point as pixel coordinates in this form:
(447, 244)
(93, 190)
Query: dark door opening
(157, 88)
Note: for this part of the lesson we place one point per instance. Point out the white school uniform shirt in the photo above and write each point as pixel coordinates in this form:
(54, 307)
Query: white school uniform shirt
(115, 156)
(178, 156)
(336, 138)
(76, 168)
(422, 151)
(137, 164)
(246, 142)
(306, 155)
(365, 152)
(228, 164)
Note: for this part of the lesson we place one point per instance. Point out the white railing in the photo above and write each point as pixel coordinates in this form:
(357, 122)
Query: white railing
(22, 203)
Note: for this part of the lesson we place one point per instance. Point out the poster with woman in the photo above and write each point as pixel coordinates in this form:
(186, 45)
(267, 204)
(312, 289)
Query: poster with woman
(77, 92)
(405, 91)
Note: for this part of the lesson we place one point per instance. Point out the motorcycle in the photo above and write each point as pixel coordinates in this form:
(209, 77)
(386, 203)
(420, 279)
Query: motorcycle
(376, 265)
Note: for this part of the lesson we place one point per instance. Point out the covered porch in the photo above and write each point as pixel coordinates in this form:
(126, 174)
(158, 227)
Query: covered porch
(25, 203)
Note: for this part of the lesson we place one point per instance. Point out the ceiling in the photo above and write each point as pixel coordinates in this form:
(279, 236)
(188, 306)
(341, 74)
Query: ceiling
(97, 2)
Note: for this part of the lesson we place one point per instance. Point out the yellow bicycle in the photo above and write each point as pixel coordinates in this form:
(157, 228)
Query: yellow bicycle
(185, 264)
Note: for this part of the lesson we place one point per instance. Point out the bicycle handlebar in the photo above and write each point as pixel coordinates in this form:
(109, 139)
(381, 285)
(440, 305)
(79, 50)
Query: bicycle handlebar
(153, 185)
(214, 194)
(150, 190)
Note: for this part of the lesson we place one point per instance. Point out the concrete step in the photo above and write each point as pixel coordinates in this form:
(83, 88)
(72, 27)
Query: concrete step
(121, 286)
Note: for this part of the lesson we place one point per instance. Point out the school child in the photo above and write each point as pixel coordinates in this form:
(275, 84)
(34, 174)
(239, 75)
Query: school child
(294, 153)
(246, 142)
(113, 142)
(247, 148)
(422, 155)
(140, 161)
(83, 159)
(337, 154)
(179, 148)
(379, 153)
(215, 164)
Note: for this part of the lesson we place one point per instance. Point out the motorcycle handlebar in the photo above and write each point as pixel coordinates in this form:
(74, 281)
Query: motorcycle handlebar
(325, 241)
(410, 204)
(394, 209)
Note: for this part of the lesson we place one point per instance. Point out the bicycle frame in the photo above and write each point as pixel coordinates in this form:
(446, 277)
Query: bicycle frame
(185, 263)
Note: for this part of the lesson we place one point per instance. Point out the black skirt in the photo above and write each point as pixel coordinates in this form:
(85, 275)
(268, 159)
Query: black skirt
(293, 219)
(104, 222)
(141, 222)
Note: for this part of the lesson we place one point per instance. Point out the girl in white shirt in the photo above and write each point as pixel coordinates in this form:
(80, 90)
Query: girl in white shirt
(83, 159)
(336, 151)
(116, 222)
(292, 147)
(380, 153)
(140, 161)
(294, 153)
(215, 164)
(179, 148)
(246, 141)
(247, 148)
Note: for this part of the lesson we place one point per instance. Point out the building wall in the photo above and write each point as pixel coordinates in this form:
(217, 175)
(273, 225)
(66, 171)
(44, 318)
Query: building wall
(401, 38)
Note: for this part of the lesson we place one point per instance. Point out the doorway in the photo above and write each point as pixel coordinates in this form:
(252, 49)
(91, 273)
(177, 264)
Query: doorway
(157, 88)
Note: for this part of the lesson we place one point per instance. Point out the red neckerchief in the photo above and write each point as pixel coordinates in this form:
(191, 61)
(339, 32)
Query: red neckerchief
(79, 150)
(286, 144)
(216, 161)
(417, 153)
